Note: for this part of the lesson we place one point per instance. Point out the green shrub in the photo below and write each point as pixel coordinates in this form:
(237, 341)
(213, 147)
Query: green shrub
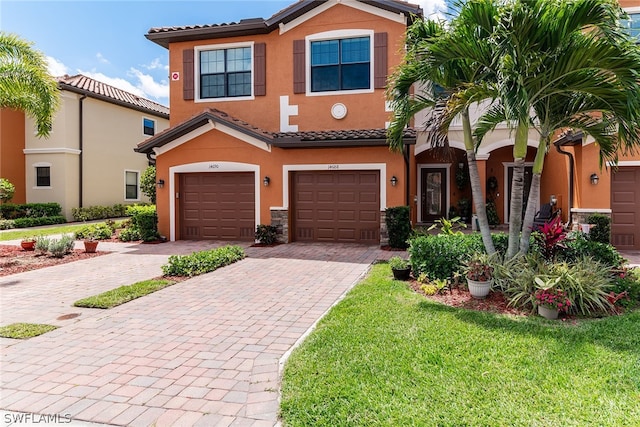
(440, 256)
(34, 222)
(144, 220)
(148, 183)
(30, 210)
(7, 224)
(129, 234)
(99, 231)
(7, 190)
(266, 234)
(42, 244)
(602, 230)
(578, 246)
(203, 261)
(91, 213)
(627, 280)
(62, 246)
(515, 277)
(398, 226)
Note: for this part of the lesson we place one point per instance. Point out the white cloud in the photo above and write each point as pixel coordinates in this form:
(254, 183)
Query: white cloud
(150, 86)
(115, 82)
(433, 8)
(102, 59)
(55, 67)
(156, 64)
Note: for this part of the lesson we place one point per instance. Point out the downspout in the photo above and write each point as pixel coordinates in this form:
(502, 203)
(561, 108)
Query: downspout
(558, 144)
(80, 147)
(407, 177)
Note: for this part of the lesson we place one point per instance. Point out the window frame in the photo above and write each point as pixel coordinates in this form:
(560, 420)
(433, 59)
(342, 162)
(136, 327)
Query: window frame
(137, 198)
(339, 35)
(632, 11)
(225, 46)
(153, 129)
(36, 166)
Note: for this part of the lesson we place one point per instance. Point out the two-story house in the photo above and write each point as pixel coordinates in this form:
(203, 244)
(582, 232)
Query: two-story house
(282, 121)
(88, 159)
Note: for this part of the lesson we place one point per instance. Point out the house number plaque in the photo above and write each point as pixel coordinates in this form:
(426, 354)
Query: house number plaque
(214, 166)
(334, 167)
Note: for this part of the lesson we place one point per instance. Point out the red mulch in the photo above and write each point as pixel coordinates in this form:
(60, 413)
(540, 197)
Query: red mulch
(495, 302)
(13, 259)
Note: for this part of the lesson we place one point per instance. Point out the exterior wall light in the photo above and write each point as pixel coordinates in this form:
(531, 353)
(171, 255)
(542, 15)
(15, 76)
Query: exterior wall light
(554, 200)
(394, 181)
(594, 178)
(266, 181)
(160, 183)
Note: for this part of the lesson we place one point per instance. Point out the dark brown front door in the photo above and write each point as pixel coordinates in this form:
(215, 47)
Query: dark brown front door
(433, 198)
(217, 206)
(336, 206)
(625, 206)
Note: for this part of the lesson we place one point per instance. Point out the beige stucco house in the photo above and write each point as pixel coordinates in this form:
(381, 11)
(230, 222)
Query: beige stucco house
(88, 159)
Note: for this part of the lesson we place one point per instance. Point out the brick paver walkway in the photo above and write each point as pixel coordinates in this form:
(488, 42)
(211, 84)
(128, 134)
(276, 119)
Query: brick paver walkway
(207, 351)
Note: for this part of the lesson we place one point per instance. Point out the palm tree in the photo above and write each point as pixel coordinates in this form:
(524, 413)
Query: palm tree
(442, 78)
(25, 83)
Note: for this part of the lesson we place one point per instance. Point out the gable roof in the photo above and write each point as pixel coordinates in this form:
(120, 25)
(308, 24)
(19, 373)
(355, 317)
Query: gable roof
(306, 139)
(165, 35)
(94, 89)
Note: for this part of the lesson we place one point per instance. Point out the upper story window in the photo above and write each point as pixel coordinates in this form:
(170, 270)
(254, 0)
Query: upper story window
(341, 64)
(633, 25)
(225, 73)
(148, 127)
(43, 176)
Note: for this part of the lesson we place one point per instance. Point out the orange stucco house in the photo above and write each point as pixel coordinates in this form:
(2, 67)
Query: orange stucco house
(282, 121)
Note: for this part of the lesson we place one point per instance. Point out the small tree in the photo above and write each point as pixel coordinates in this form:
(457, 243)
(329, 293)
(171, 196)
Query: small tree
(148, 183)
(7, 190)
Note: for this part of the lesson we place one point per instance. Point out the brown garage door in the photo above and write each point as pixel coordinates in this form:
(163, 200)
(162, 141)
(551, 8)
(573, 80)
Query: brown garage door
(217, 205)
(336, 206)
(625, 206)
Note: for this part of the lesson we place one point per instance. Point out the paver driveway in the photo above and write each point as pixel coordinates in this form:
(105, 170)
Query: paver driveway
(206, 351)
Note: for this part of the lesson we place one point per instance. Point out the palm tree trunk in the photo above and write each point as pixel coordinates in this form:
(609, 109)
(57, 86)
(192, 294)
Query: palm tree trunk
(517, 187)
(476, 185)
(534, 195)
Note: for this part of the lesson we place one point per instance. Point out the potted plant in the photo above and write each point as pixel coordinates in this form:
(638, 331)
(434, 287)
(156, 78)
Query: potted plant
(28, 243)
(549, 299)
(90, 242)
(400, 268)
(479, 274)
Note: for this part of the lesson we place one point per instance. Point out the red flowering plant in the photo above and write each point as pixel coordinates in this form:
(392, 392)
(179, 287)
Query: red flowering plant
(551, 237)
(551, 297)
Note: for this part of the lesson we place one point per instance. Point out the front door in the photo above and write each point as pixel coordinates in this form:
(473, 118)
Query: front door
(433, 200)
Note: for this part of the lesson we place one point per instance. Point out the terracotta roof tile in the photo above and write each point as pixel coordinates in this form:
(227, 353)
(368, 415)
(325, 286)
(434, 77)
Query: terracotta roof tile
(97, 89)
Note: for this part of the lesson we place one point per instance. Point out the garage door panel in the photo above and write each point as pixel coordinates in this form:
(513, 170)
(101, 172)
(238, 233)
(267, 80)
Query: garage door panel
(625, 191)
(217, 205)
(329, 206)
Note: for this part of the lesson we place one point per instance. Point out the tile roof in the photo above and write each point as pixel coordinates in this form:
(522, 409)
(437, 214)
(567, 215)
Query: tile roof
(95, 89)
(165, 35)
(305, 139)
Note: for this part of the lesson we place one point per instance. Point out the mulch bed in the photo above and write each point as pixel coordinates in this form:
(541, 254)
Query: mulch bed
(13, 259)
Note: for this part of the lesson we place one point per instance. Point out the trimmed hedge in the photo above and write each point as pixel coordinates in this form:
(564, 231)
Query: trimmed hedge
(602, 230)
(398, 226)
(144, 221)
(34, 222)
(30, 210)
(579, 246)
(203, 261)
(90, 213)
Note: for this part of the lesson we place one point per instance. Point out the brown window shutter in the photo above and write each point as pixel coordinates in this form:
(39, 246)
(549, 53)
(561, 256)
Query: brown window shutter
(187, 74)
(380, 60)
(299, 85)
(260, 69)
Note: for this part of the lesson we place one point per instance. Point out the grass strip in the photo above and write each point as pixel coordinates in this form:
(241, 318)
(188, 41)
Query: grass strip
(24, 233)
(123, 294)
(387, 356)
(25, 330)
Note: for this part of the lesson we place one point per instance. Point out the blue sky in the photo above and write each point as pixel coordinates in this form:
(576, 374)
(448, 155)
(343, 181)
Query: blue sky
(106, 40)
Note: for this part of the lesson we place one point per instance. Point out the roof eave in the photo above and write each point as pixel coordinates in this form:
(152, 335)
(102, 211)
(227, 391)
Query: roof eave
(163, 38)
(340, 143)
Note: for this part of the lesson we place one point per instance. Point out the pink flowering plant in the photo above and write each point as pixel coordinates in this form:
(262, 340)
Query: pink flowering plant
(550, 296)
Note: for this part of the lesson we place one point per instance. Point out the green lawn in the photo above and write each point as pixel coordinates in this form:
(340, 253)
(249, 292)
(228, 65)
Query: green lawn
(25, 330)
(123, 294)
(385, 356)
(26, 232)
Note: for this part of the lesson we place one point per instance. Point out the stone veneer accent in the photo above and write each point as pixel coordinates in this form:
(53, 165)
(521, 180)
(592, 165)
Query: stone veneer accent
(581, 217)
(280, 219)
(384, 233)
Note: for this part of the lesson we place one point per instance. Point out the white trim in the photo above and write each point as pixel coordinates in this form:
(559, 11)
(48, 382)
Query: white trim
(211, 126)
(36, 165)
(632, 9)
(137, 172)
(624, 163)
(594, 210)
(211, 167)
(447, 168)
(196, 70)
(338, 35)
(395, 17)
(382, 167)
(286, 111)
(507, 193)
(60, 150)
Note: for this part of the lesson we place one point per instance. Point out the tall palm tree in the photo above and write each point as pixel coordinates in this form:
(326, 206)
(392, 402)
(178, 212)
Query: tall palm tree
(442, 78)
(25, 83)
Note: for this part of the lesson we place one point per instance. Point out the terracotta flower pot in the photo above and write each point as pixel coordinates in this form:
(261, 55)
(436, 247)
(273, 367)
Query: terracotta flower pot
(28, 245)
(90, 246)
